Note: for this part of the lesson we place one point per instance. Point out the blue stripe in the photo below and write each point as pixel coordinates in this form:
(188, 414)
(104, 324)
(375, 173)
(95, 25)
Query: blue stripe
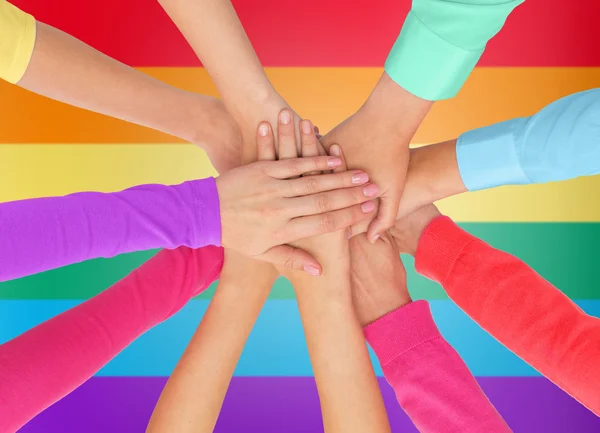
(276, 346)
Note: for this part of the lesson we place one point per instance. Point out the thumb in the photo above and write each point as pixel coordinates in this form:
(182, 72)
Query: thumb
(386, 218)
(288, 257)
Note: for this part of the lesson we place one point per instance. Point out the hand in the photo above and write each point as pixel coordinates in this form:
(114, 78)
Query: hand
(407, 231)
(376, 139)
(378, 278)
(332, 247)
(262, 209)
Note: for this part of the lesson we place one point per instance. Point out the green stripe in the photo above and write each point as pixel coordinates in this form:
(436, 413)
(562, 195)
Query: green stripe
(564, 253)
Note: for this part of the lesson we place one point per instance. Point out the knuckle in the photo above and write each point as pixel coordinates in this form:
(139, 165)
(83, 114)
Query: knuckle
(312, 185)
(356, 196)
(328, 223)
(322, 203)
(290, 263)
(294, 166)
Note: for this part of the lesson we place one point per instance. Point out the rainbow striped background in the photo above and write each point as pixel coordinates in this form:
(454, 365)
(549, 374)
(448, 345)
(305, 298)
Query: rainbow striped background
(548, 49)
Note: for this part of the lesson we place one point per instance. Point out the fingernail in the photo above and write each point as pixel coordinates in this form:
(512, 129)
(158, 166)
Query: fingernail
(334, 162)
(263, 130)
(312, 270)
(360, 178)
(374, 239)
(285, 117)
(370, 190)
(306, 127)
(367, 207)
(335, 150)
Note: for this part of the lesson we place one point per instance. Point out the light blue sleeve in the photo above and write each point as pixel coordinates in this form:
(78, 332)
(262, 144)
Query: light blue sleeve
(560, 142)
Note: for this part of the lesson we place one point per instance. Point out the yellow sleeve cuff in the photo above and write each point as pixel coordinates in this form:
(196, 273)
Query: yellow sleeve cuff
(17, 40)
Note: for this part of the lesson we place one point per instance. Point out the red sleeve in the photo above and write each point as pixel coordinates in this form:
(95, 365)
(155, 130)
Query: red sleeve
(432, 383)
(49, 361)
(517, 306)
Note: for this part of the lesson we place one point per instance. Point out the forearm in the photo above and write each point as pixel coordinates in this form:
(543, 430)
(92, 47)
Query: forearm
(432, 383)
(49, 361)
(557, 143)
(348, 390)
(192, 399)
(46, 233)
(232, 62)
(65, 69)
(517, 306)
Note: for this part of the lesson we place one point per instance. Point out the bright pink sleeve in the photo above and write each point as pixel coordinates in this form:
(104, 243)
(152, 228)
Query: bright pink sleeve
(432, 383)
(517, 306)
(49, 361)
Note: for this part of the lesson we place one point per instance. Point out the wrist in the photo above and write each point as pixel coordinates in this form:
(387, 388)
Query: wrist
(396, 105)
(433, 174)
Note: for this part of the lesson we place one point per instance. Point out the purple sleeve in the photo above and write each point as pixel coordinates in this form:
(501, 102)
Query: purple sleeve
(46, 233)
(432, 383)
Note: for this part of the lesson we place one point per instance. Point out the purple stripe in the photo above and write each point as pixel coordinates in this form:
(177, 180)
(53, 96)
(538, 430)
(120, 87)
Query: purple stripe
(290, 404)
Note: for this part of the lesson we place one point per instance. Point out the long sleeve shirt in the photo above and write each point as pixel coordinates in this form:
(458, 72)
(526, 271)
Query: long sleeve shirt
(440, 43)
(559, 142)
(49, 361)
(17, 39)
(46, 233)
(517, 306)
(431, 381)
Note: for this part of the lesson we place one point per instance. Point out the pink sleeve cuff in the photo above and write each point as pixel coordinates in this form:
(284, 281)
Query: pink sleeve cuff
(440, 245)
(401, 330)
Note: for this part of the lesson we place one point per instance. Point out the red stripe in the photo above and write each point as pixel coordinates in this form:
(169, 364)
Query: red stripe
(322, 32)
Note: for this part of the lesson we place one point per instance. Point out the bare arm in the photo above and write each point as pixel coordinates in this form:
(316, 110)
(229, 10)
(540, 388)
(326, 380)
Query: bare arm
(348, 390)
(192, 398)
(65, 69)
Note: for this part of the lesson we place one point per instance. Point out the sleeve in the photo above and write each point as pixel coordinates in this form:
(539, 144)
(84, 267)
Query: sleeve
(49, 361)
(440, 43)
(17, 40)
(432, 383)
(46, 233)
(560, 142)
(517, 306)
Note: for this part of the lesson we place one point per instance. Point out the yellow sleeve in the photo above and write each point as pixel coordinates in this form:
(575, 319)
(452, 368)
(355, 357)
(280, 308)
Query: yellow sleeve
(17, 38)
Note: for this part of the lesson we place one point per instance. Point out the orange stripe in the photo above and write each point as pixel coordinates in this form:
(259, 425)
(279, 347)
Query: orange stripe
(325, 95)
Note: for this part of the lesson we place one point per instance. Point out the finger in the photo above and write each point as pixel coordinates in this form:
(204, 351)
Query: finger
(329, 201)
(336, 150)
(314, 225)
(265, 142)
(309, 144)
(286, 135)
(362, 226)
(325, 182)
(289, 257)
(298, 166)
(386, 217)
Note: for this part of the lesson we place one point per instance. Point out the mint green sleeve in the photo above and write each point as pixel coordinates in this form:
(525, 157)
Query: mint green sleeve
(441, 42)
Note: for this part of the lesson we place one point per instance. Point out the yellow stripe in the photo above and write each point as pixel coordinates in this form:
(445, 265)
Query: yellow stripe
(49, 170)
(325, 95)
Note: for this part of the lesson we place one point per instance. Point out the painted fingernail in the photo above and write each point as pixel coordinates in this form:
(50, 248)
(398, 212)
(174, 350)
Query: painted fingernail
(335, 150)
(312, 270)
(360, 178)
(334, 162)
(263, 130)
(370, 190)
(306, 127)
(285, 117)
(367, 207)
(374, 239)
